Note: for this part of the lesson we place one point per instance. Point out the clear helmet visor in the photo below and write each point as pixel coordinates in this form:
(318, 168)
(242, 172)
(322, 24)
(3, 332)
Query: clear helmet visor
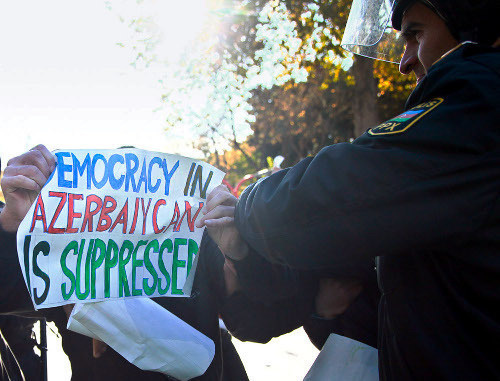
(369, 31)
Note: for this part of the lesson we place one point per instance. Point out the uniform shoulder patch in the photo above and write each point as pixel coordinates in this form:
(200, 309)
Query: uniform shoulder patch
(405, 120)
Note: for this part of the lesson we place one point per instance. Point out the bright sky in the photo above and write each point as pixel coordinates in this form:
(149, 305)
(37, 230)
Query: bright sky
(65, 82)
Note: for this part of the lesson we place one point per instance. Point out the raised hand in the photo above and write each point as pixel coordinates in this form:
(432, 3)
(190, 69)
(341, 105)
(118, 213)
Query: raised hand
(219, 220)
(22, 181)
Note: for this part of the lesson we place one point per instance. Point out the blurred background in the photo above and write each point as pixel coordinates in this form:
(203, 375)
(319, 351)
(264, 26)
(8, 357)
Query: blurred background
(234, 82)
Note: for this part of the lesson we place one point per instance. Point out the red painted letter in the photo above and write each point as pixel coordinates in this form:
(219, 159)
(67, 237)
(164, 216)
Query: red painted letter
(89, 214)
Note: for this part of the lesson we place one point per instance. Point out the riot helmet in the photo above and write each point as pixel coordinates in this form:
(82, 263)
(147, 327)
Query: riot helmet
(372, 26)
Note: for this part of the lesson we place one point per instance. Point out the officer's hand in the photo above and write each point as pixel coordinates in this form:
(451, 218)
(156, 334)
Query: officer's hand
(335, 295)
(219, 220)
(22, 181)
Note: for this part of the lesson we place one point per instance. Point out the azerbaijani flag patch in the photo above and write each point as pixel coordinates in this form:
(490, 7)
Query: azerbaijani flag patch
(405, 120)
(407, 115)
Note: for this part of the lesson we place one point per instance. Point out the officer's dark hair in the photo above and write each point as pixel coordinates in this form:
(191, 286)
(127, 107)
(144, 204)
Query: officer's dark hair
(467, 20)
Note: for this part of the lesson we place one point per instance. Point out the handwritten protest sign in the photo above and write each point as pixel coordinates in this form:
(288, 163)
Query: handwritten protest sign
(113, 224)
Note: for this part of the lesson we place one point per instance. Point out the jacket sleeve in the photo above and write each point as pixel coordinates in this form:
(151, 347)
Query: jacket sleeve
(249, 320)
(381, 195)
(265, 282)
(273, 300)
(210, 272)
(14, 297)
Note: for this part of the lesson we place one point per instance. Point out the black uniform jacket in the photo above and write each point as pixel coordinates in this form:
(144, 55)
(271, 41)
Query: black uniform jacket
(201, 311)
(421, 192)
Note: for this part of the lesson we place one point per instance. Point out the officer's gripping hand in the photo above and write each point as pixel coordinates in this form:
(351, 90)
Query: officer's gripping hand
(219, 220)
(335, 296)
(22, 181)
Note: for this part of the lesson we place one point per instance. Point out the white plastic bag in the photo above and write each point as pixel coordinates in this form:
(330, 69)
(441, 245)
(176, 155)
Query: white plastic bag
(147, 335)
(344, 359)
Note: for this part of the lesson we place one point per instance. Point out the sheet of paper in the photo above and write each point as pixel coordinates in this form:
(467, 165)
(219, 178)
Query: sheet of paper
(344, 359)
(147, 335)
(114, 224)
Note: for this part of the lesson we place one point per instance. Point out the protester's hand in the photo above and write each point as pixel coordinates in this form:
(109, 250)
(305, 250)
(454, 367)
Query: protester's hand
(219, 220)
(22, 181)
(335, 295)
(68, 308)
(230, 278)
(98, 348)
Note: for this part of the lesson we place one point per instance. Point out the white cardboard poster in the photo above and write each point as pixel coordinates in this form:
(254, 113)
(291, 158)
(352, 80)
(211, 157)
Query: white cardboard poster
(114, 224)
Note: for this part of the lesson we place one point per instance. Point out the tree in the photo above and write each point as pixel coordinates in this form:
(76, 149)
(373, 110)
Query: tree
(275, 80)
(340, 99)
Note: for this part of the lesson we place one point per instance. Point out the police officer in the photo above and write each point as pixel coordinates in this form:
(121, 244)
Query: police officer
(419, 192)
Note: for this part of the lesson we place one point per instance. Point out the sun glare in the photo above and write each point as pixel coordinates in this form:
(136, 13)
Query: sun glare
(66, 72)
(177, 23)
